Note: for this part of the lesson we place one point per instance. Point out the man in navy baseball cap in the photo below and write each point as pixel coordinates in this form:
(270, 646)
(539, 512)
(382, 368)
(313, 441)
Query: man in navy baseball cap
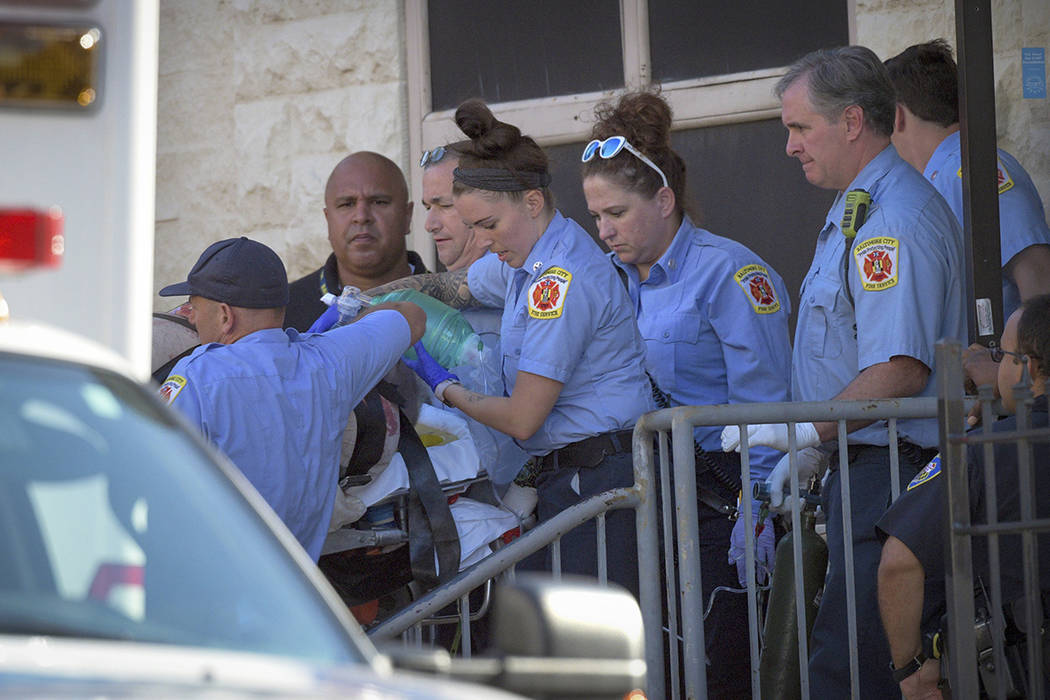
(238, 271)
(275, 401)
(236, 287)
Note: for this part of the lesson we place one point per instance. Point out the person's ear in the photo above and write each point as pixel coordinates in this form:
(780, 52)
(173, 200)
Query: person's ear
(853, 116)
(226, 317)
(408, 216)
(901, 119)
(666, 202)
(535, 203)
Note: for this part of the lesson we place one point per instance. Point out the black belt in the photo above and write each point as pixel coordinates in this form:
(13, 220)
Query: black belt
(917, 455)
(588, 452)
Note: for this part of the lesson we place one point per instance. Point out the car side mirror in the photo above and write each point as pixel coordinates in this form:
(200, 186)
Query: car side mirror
(552, 639)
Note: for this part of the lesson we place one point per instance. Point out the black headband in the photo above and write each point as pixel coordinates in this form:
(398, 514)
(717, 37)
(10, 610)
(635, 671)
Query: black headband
(501, 179)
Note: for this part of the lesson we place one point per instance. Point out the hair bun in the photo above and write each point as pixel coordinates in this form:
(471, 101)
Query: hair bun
(643, 118)
(491, 138)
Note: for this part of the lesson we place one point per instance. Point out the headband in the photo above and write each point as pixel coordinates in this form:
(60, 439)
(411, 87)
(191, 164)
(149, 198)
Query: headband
(501, 179)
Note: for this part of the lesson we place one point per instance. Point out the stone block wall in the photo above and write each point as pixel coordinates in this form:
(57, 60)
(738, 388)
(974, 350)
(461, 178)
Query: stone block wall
(1023, 126)
(258, 99)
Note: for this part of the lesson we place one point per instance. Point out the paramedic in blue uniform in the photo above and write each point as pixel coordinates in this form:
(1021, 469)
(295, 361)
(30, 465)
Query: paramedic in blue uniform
(459, 247)
(871, 310)
(574, 383)
(274, 401)
(926, 134)
(714, 317)
(912, 570)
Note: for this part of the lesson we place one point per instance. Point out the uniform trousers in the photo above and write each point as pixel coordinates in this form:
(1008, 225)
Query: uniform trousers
(579, 552)
(870, 496)
(726, 638)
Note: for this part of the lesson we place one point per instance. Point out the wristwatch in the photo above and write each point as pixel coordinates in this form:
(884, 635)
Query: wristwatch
(439, 390)
(899, 674)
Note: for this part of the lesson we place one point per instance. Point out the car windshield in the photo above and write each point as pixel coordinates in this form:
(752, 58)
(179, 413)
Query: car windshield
(115, 524)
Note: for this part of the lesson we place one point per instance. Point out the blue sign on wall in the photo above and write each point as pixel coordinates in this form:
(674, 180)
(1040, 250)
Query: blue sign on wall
(1033, 73)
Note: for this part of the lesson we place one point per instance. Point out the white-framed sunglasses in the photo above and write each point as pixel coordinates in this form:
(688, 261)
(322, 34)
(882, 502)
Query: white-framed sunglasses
(432, 156)
(611, 146)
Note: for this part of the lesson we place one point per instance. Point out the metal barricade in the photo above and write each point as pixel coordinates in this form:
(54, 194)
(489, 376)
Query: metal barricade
(968, 659)
(502, 561)
(683, 583)
(663, 444)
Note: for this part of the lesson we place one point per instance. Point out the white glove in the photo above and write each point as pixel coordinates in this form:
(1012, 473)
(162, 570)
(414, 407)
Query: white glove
(773, 435)
(811, 462)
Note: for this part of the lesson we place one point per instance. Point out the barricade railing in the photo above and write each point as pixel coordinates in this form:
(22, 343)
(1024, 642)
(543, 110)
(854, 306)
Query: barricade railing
(502, 561)
(663, 445)
(976, 642)
(677, 466)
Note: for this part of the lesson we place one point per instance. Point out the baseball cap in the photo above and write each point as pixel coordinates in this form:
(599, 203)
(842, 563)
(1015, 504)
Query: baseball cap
(239, 272)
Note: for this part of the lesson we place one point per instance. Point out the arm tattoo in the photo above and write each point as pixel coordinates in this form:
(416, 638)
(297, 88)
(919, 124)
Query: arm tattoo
(475, 397)
(448, 287)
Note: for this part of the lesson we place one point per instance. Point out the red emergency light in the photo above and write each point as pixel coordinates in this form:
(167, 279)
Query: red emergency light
(30, 238)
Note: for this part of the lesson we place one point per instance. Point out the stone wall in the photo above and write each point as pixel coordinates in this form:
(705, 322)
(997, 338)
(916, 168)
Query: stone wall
(258, 99)
(1023, 126)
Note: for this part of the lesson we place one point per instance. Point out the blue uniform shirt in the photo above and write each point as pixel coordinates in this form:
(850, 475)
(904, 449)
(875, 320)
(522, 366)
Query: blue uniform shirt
(1022, 222)
(566, 316)
(277, 403)
(905, 279)
(714, 317)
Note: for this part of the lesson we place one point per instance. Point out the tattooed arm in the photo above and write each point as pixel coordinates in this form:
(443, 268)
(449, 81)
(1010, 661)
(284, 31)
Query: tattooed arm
(519, 415)
(448, 287)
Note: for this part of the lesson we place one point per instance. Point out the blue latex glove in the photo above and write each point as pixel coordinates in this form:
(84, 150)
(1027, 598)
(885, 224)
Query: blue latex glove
(764, 547)
(428, 369)
(325, 320)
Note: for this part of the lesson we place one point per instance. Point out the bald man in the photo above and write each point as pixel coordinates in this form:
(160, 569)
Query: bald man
(368, 213)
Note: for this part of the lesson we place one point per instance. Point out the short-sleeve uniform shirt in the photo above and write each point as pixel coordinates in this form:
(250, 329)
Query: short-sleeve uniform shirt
(714, 317)
(1022, 221)
(901, 293)
(277, 403)
(567, 317)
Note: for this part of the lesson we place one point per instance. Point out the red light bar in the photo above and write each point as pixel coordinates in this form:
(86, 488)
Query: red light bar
(30, 238)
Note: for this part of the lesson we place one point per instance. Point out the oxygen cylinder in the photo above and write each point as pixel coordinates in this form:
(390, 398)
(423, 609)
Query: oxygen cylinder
(449, 338)
(778, 667)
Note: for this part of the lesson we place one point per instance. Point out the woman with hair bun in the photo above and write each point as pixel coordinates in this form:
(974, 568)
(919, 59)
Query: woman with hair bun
(714, 317)
(572, 363)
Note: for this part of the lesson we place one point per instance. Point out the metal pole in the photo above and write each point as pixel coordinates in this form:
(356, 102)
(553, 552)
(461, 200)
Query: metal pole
(851, 574)
(670, 570)
(991, 515)
(962, 644)
(750, 517)
(695, 652)
(984, 293)
(796, 554)
(1033, 609)
(648, 557)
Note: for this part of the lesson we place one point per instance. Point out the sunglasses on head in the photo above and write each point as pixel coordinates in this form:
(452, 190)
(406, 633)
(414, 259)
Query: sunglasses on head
(432, 156)
(610, 147)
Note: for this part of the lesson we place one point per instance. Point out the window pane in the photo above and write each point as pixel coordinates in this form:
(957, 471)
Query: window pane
(692, 39)
(514, 51)
(744, 186)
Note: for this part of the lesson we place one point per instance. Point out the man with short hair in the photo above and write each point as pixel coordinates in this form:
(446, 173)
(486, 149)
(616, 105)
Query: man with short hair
(276, 402)
(926, 134)
(883, 288)
(912, 569)
(457, 246)
(368, 212)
